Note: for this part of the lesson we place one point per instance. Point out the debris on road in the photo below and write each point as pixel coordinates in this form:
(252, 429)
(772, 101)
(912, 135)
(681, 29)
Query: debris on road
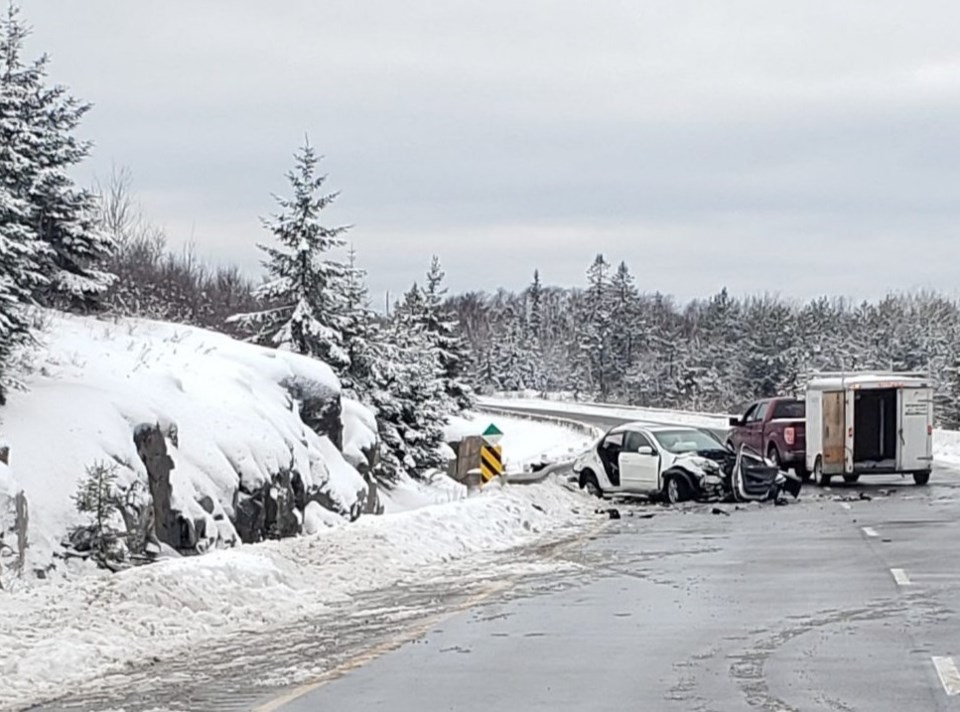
(719, 511)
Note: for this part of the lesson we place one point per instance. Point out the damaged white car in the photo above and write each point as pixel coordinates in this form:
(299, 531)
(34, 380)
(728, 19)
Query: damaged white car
(677, 463)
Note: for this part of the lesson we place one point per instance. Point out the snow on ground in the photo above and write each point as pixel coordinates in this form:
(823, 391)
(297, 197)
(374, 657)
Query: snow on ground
(411, 494)
(94, 381)
(524, 441)
(55, 637)
(674, 417)
(946, 447)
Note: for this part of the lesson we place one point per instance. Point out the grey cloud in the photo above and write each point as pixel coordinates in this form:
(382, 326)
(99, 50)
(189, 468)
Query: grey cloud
(755, 144)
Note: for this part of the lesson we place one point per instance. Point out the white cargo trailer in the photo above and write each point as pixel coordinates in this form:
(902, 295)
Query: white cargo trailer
(869, 424)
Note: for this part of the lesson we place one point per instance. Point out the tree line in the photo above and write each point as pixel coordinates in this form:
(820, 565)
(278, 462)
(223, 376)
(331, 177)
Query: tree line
(609, 340)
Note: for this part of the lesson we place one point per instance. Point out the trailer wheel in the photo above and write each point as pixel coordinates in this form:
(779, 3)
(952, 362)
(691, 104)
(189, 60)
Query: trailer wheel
(921, 478)
(822, 479)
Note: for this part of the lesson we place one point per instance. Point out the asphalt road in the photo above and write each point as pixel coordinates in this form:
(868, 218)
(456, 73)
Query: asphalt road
(845, 600)
(822, 606)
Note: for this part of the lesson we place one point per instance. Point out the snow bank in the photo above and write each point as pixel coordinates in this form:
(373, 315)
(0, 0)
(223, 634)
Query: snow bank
(54, 638)
(409, 494)
(946, 447)
(225, 406)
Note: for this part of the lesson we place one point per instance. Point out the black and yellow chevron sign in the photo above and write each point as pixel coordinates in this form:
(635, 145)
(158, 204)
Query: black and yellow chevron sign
(491, 462)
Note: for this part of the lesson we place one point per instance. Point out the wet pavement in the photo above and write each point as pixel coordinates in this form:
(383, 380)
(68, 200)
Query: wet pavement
(835, 603)
(794, 609)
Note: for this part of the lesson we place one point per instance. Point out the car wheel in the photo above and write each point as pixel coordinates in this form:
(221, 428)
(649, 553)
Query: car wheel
(588, 483)
(851, 479)
(774, 456)
(822, 479)
(676, 490)
(921, 478)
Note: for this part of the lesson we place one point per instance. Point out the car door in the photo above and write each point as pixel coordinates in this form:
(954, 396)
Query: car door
(639, 464)
(609, 453)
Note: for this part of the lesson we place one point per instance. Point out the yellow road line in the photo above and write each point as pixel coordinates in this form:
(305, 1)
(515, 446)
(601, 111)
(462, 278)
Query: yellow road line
(412, 633)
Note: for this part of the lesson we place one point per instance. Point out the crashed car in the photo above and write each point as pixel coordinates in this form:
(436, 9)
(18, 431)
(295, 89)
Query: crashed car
(677, 463)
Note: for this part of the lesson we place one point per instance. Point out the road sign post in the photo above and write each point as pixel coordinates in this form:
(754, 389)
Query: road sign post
(491, 454)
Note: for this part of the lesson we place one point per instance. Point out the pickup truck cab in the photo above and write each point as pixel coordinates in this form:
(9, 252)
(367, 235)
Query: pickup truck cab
(775, 427)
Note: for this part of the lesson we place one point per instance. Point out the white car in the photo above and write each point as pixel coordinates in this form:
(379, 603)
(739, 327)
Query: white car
(674, 462)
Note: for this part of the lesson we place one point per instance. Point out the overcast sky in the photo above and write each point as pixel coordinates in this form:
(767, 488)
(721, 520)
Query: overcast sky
(800, 148)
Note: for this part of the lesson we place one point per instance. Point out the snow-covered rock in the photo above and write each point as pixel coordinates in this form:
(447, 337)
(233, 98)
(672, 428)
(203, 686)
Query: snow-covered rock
(230, 414)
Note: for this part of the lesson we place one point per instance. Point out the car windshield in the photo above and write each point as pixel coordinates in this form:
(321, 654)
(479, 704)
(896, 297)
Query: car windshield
(681, 441)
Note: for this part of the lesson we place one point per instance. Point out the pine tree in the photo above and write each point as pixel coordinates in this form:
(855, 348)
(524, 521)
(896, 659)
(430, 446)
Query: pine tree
(38, 128)
(21, 251)
(18, 270)
(443, 330)
(595, 330)
(627, 327)
(410, 400)
(97, 496)
(359, 332)
(535, 311)
(305, 294)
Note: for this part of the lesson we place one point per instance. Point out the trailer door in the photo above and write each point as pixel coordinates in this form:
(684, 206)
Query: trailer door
(834, 432)
(916, 429)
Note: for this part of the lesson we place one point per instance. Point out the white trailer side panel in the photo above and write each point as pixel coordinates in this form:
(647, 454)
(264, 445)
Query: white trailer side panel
(814, 420)
(915, 447)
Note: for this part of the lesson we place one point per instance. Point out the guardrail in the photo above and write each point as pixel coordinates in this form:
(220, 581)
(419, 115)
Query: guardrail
(610, 406)
(576, 425)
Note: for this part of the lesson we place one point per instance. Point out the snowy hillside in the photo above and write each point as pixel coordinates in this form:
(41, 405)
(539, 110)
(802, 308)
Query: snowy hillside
(229, 414)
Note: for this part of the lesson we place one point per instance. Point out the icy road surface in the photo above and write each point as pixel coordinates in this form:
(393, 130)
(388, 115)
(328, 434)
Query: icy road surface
(835, 603)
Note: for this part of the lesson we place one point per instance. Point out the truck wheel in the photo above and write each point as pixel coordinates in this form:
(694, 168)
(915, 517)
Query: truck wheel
(851, 479)
(822, 479)
(588, 482)
(774, 456)
(921, 478)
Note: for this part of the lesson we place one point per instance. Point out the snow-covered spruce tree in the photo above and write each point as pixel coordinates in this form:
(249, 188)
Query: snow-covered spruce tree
(39, 123)
(97, 496)
(19, 272)
(596, 328)
(409, 397)
(304, 294)
(360, 335)
(21, 251)
(442, 329)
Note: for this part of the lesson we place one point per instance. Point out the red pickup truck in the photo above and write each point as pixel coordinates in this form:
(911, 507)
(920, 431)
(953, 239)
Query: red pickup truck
(777, 428)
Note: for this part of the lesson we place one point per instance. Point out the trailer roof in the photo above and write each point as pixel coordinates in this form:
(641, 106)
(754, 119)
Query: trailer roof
(857, 381)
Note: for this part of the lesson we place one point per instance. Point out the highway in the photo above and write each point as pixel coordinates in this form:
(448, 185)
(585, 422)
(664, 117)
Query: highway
(846, 600)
